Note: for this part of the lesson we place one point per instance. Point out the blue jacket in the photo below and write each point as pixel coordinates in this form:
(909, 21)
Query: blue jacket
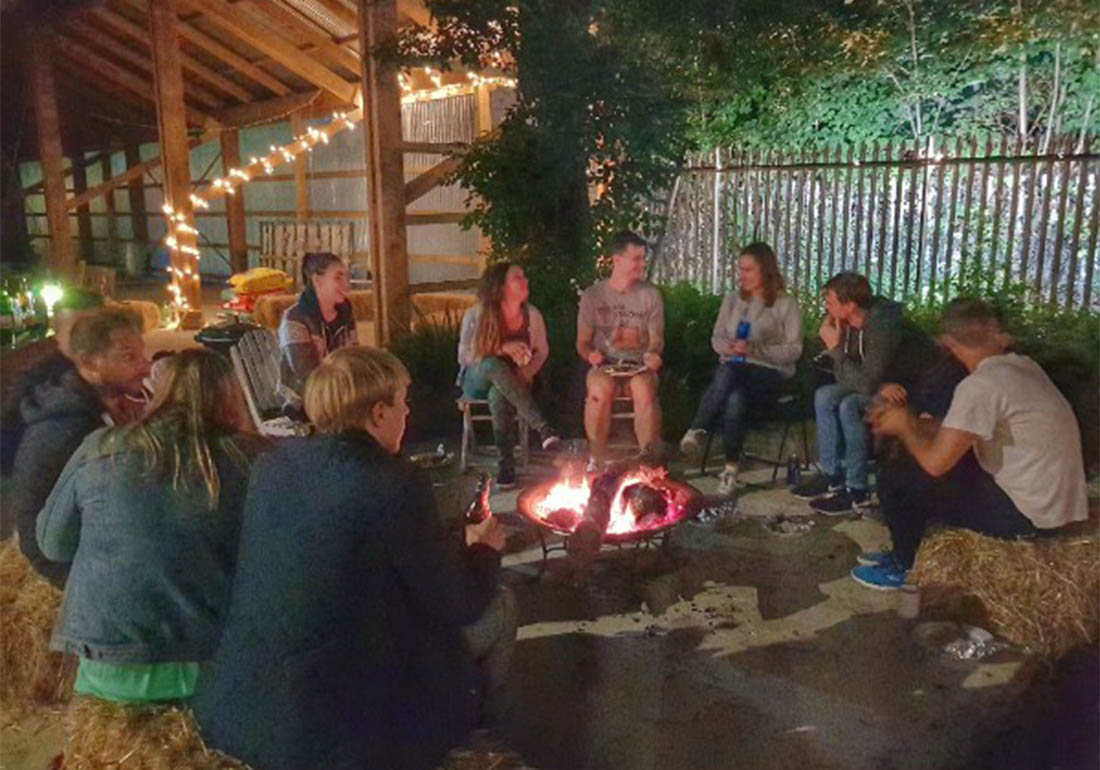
(151, 565)
(342, 648)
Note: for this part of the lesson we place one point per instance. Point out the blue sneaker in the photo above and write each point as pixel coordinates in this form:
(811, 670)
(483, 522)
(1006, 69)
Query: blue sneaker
(889, 578)
(876, 559)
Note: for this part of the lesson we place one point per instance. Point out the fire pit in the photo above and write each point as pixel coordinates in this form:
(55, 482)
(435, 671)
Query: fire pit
(646, 504)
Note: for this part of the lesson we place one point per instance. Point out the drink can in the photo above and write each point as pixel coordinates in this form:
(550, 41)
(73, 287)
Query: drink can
(742, 333)
(909, 601)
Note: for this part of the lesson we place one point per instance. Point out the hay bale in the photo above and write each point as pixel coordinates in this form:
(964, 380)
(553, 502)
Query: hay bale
(1042, 594)
(162, 737)
(30, 674)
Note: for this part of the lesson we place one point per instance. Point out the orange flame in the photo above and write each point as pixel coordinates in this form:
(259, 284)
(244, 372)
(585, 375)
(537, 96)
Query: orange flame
(571, 494)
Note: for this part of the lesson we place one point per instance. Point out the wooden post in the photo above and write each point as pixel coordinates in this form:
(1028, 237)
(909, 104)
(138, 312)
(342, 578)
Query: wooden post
(385, 167)
(48, 126)
(301, 170)
(484, 124)
(109, 207)
(83, 213)
(136, 192)
(234, 204)
(172, 131)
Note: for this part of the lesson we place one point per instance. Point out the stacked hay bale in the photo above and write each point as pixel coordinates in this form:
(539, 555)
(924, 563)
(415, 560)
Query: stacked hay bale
(30, 674)
(1042, 594)
(104, 734)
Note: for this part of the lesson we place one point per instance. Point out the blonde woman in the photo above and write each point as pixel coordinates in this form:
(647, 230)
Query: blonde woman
(501, 347)
(149, 515)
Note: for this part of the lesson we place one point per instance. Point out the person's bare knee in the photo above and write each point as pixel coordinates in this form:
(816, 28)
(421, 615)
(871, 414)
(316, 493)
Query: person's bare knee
(601, 388)
(643, 390)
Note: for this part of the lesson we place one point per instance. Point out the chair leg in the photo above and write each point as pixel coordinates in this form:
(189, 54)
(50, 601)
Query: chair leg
(805, 444)
(782, 446)
(524, 438)
(706, 454)
(467, 430)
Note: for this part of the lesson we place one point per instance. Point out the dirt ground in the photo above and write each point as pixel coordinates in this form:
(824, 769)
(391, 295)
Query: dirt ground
(737, 648)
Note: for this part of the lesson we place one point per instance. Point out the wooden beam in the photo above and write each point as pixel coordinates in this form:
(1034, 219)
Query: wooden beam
(84, 56)
(301, 167)
(133, 173)
(48, 127)
(37, 186)
(384, 161)
(109, 205)
(110, 89)
(430, 179)
(304, 30)
(83, 220)
(484, 126)
(130, 55)
(265, 111)
(414, 11)
(435, 217)
(232, 20)
(234, 204)
(233, 59)
(427, 287)
(120, 23)
(172, 129)
(136, 194)
(442, 148)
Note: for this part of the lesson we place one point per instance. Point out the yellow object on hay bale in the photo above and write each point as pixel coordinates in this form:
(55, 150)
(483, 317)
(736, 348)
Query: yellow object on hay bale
(259, 280)
(1042, 594)
(30, 674)
(138, 737)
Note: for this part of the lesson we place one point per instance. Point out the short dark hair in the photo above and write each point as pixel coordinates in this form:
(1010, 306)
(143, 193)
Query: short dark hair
(624, 238)
(317, 262)
(971, 321)
(78, 299)
(850, 286)
(92, 333)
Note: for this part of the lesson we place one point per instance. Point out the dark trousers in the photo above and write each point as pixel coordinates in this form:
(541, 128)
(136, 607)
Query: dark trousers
(735, 388)
(966, 496)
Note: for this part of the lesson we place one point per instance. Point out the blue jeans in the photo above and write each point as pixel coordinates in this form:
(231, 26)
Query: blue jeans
(733, 390)
(496, 380)
(842, 440)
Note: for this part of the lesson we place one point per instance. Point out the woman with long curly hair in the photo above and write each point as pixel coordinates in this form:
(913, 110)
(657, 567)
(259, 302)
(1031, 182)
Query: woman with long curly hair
(149, 515)
(502, 346)
(758, 339)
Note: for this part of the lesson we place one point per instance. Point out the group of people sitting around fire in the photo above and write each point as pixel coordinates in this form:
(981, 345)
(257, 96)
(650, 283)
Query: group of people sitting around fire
(305, 598)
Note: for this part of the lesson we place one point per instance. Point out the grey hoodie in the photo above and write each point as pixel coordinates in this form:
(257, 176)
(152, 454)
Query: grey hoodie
(58, 414)
(863, 357)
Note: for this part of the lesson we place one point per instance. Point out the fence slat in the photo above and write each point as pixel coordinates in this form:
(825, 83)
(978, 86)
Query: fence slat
(1090, 253)
(899, 174)
(1075, 238)
(847, 211)
(964, 243)
(941, 173)
(998, 199)
(1048, 188)
(1059, 231)
(871, 209)
(983, 191)
(1014, 212)
(819, 191)
(909, 218)
(956, 172)
(1025, 232)
(788, 204)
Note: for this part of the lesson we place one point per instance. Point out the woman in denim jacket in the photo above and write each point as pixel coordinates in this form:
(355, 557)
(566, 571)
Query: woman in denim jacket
(149, 515)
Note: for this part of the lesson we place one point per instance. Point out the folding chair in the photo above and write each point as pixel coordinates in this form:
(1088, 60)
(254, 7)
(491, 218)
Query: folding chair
(256, 361)
(469, 435)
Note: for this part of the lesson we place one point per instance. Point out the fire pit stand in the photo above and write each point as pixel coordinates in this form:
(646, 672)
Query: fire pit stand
(658, 538)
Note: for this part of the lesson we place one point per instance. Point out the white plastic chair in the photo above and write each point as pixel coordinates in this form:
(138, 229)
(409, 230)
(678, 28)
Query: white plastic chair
(256, 361)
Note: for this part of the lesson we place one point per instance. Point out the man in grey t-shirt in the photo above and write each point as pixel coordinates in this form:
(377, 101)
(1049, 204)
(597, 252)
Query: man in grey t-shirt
(622, 320)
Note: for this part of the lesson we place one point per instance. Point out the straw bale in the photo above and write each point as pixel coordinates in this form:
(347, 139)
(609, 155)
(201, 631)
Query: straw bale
(1042, 594)
(30, 674)
(103, 734)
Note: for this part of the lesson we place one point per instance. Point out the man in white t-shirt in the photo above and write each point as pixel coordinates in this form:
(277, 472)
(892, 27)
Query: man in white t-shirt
(621, 321)
(1029, 476)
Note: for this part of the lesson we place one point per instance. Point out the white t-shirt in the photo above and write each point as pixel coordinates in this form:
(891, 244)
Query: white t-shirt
(625, 324)
(1028, 439)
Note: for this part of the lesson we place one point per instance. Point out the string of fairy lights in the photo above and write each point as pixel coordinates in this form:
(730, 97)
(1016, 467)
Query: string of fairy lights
(181, 233)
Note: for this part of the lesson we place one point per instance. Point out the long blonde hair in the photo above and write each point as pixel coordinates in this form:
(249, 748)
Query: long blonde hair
(490, 324)
(192, 408)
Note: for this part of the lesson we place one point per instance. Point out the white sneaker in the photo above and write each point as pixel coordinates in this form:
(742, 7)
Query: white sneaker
(692, 442)
(594, 466)
(727, 482)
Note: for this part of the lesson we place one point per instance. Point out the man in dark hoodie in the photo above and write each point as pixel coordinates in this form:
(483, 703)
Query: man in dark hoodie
(861, 333)
(73, 305)
(109, 364)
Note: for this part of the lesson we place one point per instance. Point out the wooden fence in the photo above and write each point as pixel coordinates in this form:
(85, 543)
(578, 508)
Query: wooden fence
(910, 218)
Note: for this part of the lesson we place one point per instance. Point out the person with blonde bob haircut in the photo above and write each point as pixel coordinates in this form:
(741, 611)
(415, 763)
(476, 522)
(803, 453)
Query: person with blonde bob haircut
(360, 634)
(149, 514)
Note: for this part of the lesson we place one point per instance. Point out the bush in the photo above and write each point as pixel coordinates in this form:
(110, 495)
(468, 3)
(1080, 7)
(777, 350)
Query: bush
(430, 353)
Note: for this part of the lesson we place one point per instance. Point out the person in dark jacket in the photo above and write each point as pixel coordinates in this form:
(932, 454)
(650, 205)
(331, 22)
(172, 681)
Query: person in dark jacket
(73, 305)
(149, 515)
(109, 365)
(345, 644)
(862, 335)
(321, 321)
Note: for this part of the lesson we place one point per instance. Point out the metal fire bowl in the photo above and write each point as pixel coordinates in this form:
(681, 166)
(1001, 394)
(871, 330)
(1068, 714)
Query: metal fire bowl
(688, 499)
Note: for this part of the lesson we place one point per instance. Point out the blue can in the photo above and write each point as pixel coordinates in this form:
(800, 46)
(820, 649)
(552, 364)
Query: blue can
(742, 333)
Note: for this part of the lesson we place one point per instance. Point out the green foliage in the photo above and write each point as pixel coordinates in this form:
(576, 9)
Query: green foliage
(689, 360)
(430, 353)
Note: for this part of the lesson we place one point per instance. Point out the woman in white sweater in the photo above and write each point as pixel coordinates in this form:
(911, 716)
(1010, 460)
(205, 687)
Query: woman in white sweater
(758, 339)
(501, 347)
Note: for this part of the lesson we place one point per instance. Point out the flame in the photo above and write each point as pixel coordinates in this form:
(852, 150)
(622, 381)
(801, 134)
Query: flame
(571, 494)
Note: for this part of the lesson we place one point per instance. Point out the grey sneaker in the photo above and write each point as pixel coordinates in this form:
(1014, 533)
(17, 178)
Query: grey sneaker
(727, 482)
